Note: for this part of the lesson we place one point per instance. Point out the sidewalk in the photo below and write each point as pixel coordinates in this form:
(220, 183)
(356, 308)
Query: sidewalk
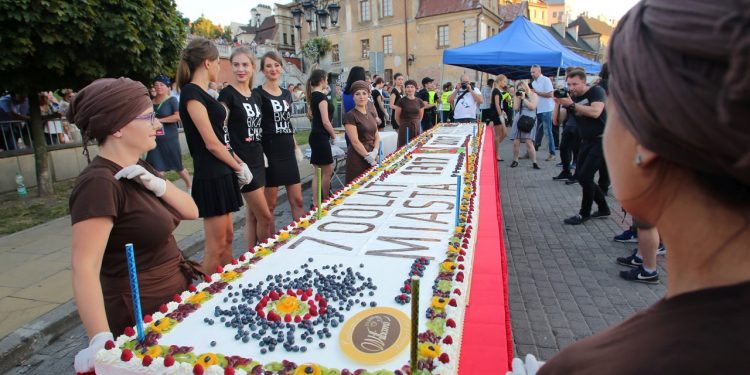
(35, 272)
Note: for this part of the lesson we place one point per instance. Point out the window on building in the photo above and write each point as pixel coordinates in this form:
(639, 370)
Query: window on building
(365, 48)
(388, 75)
(533, 13)
(285, 39)
(293, 40)
(554, 14)
(442, 36)
(387, 8)
(387, 44)
(335, 53)
(364, 10)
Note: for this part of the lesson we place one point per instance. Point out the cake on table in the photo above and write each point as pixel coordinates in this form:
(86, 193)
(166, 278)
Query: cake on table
(331, 293)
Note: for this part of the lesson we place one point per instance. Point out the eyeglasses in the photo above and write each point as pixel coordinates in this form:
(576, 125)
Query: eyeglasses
(150, 117)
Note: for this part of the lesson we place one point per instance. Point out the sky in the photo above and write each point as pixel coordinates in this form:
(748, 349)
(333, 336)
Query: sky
(227, 11)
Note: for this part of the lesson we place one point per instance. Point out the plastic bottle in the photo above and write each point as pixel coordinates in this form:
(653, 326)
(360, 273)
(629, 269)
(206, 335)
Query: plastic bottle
(20, 187)
(21, 143)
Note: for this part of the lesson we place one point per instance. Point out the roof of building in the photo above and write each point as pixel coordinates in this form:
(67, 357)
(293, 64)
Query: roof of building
(509, 12)
(588, 25)
(568, 41)
(429, 8)
(267, 30)
(555, 2)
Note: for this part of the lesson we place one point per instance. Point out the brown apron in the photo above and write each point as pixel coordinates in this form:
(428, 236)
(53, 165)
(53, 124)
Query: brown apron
(157, 286)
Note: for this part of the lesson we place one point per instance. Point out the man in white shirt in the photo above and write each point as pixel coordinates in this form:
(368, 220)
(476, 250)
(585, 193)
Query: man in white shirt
(465, 99)
(543, 88)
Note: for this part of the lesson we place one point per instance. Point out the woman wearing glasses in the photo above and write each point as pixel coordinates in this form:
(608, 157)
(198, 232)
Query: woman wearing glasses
(119, 199)
(218, 172)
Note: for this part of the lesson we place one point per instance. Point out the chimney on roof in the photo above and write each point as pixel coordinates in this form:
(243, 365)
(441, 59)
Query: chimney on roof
(573, 32)
(559, 28)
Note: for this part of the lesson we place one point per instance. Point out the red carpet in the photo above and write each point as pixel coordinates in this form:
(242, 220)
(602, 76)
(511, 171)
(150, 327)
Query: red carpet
(487, 338)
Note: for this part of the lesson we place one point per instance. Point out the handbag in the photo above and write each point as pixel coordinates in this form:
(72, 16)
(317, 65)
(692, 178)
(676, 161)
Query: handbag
(525, 123)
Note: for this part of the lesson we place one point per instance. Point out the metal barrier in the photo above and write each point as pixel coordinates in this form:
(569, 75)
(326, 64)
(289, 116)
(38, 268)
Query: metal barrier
(299, 108)
(16, 136)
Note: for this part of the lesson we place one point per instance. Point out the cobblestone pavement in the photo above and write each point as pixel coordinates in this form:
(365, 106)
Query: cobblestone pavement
(57, 358)
(563, 279)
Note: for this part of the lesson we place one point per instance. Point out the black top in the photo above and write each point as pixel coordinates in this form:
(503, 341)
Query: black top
(590, 128)
(167, 108)
(277, 112)
(244, 125)
(397, 95)
(206, 164)
(425, 96)
(496, 95)
(381, 114)
(316, 98)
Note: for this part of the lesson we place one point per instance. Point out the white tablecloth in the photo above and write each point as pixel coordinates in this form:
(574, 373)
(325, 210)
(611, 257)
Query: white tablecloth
(389, 139)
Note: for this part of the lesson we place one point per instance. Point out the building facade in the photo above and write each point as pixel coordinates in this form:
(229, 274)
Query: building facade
(404, 36)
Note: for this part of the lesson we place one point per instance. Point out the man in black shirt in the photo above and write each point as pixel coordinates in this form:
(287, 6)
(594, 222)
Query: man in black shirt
(428, 96)
(587, 105)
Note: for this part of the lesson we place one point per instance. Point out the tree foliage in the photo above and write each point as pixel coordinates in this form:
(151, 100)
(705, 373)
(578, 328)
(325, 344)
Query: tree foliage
(51, 44)
(207, 29)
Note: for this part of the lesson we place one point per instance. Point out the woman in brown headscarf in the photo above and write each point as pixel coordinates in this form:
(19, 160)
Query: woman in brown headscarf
(679, 158)
(361, 125)
(118, 199)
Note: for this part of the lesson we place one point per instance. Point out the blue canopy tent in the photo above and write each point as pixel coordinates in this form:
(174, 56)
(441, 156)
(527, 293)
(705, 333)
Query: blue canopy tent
(515, 49)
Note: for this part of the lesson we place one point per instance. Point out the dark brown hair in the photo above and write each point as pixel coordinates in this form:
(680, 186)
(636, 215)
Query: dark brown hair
(270, 55)
(196, 52)
(576, 73)
(411, 82)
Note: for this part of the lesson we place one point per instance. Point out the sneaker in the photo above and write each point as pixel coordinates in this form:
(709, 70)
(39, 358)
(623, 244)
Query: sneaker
(600, 214)
(571, 181)
(514, 164)
(632, 261)
(639, 275)
(562, 176)
(550, 158)
(627, 236)
(559, 165)
(661, 250)
(576, 220)
(535, 166)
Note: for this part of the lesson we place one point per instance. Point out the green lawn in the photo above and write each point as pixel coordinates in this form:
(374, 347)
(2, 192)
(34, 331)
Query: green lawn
(302, 136)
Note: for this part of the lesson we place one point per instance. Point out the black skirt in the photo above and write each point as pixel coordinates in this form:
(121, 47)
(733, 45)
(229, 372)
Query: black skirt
(282, 162)
(259, 179)
(320, 149)
(217, 196)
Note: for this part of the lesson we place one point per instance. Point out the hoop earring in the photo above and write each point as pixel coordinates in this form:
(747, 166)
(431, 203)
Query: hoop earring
(638, 160)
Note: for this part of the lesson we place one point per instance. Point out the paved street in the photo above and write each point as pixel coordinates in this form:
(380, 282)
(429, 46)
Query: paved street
(563, 281)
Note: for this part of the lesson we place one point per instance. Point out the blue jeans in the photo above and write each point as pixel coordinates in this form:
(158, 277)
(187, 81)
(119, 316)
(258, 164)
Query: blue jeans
(545, 120)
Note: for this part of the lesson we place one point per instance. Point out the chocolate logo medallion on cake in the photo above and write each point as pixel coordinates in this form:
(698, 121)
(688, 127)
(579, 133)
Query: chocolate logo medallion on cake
(375, 335)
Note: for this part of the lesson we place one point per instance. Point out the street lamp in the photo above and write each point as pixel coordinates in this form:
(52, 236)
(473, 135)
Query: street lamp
(323, 9)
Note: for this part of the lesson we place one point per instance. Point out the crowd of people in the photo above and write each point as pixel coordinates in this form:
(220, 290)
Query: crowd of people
(15, 117)
(243, 148)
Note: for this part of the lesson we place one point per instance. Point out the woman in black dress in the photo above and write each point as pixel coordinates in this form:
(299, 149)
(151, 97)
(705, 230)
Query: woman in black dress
(322, 134)
(396, 93)
(245, 134)
(377, 99)
(218, 173)
(278, 137)
(167, 155)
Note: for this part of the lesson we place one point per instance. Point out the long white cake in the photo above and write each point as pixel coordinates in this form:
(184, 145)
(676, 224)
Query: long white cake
(331, 295)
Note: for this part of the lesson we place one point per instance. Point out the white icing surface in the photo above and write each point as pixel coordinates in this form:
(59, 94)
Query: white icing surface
(408, 215)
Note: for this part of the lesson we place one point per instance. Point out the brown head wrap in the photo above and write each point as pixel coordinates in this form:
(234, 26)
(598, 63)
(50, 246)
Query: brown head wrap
(679, 75)
(360, 85)
(106, 106)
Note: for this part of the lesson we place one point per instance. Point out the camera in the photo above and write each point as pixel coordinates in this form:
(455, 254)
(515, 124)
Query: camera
(464, 85)
(520, 93)
(562, 92)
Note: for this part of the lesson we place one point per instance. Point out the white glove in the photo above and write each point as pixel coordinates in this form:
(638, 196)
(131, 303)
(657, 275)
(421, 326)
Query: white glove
(244, 176)
(298, 154)
(370, 159)
(529, 368)
(139, 174)
(84, 361)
